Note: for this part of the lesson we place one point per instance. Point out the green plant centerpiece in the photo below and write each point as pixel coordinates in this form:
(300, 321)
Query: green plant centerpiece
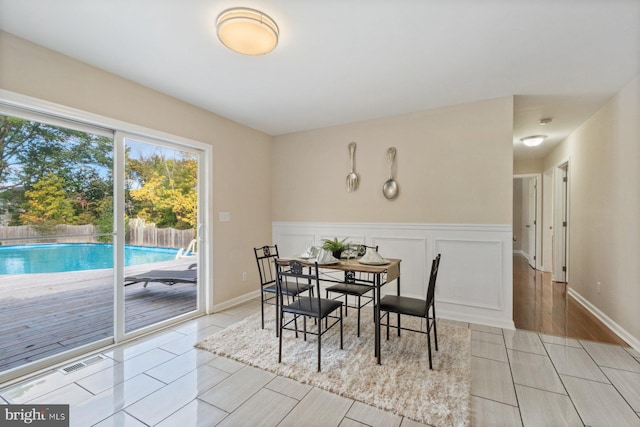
(335, 246)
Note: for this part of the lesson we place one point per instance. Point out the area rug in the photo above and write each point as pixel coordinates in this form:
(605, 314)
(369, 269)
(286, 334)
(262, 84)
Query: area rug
(403, 384)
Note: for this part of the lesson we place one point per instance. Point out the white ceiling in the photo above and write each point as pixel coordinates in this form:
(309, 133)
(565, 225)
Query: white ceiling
(340, 61)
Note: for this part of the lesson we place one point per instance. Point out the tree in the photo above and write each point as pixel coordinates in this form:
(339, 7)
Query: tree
(166, 192)
(48, 204)
(29, 150)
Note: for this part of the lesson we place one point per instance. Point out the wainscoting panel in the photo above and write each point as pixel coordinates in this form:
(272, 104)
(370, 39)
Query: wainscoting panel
(413, 253)
(482, 262)
(475, 279)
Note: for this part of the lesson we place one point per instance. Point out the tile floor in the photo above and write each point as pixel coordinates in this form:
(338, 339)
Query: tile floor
(518, 378)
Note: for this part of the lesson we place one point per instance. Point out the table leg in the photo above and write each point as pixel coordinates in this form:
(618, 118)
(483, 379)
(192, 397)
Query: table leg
(376, 313)
(398, 295)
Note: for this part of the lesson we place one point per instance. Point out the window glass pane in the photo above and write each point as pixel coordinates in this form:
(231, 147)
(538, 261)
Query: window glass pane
(56, 225)
(161, 215)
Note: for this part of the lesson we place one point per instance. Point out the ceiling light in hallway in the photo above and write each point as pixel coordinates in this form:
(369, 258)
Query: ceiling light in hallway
(532, 141)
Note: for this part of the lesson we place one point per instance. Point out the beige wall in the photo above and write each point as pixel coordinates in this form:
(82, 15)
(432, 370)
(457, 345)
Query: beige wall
(604, 207)
(525, 166)
(242, 169)
(454, 165)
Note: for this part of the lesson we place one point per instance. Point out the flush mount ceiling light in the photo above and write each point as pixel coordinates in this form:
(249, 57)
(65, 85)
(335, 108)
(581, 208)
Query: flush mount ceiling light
(532, 141)
(247, 31)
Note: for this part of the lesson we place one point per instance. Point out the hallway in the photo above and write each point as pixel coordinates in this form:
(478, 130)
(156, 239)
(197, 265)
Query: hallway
(541, 305)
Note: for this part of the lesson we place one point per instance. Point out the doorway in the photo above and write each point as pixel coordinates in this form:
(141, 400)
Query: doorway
(527, 212)
(560, 238)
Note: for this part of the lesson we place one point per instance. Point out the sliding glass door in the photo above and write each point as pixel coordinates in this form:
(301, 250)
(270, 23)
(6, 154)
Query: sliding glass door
(160, 217)
(100, 236)
(56, 237)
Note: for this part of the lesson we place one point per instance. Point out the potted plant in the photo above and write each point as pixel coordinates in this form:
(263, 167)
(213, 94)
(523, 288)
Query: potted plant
(335, 246)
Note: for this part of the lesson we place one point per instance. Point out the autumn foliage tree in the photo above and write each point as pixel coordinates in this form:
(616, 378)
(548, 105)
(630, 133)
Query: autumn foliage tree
(167, 190)
(48, 204)
(35, 154)
(56, 175)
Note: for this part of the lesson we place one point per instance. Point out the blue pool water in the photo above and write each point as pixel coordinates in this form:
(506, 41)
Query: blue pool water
(55, 258)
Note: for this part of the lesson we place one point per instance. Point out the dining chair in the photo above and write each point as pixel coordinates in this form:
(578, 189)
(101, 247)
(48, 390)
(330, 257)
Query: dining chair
(265, 257)
(350, 287)
(416, 307)
(293, 275)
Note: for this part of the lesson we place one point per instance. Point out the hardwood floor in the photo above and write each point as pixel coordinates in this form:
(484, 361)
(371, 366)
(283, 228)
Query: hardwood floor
(542, 305)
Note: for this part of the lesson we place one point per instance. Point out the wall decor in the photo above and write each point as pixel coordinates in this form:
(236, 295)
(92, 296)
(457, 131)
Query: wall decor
(390, 188)
(352, 179)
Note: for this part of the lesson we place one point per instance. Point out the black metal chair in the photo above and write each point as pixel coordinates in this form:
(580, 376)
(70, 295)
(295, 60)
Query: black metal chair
(293, 275)
(265, 257)
(350, 287)
(415, 307)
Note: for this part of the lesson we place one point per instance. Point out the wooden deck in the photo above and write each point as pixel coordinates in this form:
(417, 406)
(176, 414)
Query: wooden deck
(45, 314)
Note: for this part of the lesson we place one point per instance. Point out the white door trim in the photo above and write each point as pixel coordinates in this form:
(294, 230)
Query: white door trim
(561, 214)
(538, 177)
(547, 219)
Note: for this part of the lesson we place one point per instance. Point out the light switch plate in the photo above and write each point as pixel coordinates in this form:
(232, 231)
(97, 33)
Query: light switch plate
(224, 216)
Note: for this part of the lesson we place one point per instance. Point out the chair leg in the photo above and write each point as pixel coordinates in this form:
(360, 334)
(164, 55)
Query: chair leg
(435, 328)
(304, 326)
(388, 315)
(262, 308)
(429, 348)
(341, 344)
(358, 316)
(279, 341)
(279, 319)
(295, 317)
(319, 344)
(378, 314)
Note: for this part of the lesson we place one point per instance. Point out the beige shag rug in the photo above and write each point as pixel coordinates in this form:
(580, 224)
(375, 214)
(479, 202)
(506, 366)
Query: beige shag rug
(403, 384)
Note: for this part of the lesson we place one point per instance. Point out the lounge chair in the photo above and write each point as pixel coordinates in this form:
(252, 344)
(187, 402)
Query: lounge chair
(167, 277)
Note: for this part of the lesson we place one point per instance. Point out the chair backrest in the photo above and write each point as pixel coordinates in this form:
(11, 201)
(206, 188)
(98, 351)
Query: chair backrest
(297, 276)
(431, 290)
(265, 256)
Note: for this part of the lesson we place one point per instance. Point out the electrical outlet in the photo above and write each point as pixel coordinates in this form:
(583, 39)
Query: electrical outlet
(244, 276)
(598, 287)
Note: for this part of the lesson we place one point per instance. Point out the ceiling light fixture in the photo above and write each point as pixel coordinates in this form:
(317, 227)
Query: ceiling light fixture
(247, 31)
(532, 141)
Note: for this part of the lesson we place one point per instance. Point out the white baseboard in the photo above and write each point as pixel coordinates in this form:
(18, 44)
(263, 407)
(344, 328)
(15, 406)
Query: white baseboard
(617, 329)
(471, 318)
(235, 301)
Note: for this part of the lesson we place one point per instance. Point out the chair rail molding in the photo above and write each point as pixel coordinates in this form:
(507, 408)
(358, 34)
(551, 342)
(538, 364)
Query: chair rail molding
(475, 282)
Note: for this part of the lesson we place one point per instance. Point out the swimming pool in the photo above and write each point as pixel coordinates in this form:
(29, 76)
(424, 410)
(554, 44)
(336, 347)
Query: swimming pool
(55, 258)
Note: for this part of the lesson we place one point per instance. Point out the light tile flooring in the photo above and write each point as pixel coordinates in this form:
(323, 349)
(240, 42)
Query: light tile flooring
(518, 378)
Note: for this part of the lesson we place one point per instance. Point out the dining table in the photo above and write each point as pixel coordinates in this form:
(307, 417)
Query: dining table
(377, 275)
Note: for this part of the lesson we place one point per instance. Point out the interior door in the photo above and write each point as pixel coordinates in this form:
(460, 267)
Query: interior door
(531, 222)
(547, 220)
(560, 225)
